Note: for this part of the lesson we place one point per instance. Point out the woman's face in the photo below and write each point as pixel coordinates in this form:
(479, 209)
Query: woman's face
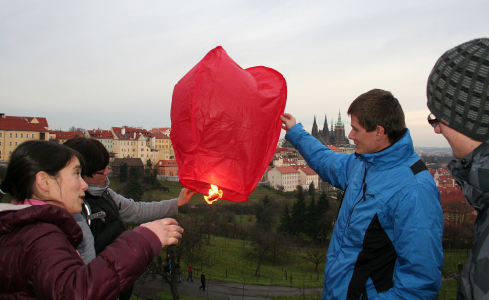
(71, 187)
(99, 177)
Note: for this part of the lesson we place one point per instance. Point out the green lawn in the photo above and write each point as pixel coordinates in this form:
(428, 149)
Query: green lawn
(228, 262)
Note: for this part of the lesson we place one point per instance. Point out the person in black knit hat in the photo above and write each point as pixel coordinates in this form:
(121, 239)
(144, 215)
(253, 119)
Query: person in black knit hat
(458, 98)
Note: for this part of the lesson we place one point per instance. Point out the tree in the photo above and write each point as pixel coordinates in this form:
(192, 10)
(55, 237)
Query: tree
(312, 189)
(149, 164)
(76, 129)
(134, 190)
(191, 247)
(267, 246)
(315, 255)
(134, 173)
(298, 213)
(267, 213)
(323, 203)
(312, 220)
(285, 221)
(123, 172)
(325, 218)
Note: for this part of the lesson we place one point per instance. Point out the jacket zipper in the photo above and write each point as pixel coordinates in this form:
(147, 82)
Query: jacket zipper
(364, 188)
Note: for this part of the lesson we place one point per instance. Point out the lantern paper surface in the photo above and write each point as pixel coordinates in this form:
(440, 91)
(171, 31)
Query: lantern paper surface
(226, 124)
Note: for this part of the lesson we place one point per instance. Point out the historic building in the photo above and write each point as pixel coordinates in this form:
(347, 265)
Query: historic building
(334, 136)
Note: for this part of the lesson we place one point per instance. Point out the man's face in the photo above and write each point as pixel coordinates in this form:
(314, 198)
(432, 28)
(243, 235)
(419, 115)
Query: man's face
(365, 142)
(461, 144)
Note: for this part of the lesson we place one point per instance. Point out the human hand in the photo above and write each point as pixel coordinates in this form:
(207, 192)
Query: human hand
(167, 230)
(184, 197)
(288, 121)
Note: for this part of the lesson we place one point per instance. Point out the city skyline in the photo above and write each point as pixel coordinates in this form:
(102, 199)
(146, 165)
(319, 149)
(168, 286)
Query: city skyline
(99, 64)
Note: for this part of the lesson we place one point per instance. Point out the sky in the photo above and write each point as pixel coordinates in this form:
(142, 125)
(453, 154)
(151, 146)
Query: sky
(98, 64)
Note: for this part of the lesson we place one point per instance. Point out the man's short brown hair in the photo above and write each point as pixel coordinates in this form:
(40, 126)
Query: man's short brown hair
(379, 107)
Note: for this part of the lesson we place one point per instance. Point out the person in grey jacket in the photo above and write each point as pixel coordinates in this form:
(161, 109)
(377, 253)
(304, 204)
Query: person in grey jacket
(458, 98)
(105, 212)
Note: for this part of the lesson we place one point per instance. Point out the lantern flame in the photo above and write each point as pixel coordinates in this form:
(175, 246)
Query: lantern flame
(214, 194)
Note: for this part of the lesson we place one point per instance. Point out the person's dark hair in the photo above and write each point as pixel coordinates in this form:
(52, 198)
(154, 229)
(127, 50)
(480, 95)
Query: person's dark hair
(32, 157)
(94, 153)
(379, 107)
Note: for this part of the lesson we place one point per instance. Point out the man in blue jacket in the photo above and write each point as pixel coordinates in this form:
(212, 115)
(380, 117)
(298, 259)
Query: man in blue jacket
(386, 242)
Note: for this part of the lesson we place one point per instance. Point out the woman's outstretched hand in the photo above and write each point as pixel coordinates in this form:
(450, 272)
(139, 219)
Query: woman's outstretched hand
(167, 230)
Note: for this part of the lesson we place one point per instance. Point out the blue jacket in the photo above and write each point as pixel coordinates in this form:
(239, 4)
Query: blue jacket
(386, 241)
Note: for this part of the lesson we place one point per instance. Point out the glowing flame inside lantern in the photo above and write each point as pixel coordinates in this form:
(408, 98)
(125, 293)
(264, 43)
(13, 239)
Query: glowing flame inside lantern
(214, 194)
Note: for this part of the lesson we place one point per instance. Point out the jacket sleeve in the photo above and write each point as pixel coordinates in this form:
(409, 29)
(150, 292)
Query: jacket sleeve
(331, 166)
(141, 212)
(57, 272)
(418, 229)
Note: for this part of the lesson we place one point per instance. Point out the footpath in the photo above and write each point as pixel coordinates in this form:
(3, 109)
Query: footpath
(224, 290)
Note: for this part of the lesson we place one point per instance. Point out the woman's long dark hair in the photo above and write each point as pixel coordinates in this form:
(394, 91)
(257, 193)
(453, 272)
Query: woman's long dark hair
(32, 157)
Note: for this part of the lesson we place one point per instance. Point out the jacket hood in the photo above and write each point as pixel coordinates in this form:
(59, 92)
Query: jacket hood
(97, 190)
(391, 156)
(13, 217)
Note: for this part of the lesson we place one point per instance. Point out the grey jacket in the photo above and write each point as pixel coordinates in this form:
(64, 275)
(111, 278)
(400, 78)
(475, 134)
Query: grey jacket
(130, 212)
(472, 174)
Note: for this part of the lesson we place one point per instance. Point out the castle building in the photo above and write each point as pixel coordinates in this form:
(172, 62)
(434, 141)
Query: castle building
(334, 136)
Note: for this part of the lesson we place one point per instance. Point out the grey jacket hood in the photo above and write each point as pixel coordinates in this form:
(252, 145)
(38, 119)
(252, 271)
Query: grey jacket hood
(97, 190)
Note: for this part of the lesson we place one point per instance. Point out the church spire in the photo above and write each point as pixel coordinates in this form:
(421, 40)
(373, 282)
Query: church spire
(314, 131)
(339, 123)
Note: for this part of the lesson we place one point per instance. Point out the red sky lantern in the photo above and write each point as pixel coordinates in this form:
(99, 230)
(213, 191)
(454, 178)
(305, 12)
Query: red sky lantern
(225, 125)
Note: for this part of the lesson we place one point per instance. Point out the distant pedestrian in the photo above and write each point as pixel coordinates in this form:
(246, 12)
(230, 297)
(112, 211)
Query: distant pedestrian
(202, 280)
(190, 272)
(460, 267)
(167, 268)
(179, 272)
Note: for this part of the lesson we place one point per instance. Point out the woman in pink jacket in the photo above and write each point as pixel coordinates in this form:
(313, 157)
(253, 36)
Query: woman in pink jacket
(39, 236)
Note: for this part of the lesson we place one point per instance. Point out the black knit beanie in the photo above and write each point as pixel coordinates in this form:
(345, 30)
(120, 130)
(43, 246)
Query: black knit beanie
(458, 89)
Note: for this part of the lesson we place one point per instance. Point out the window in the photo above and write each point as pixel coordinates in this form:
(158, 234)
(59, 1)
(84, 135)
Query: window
(10, 134)
(15, 143)
(32, 136)
(0, 134)
(10, 143)
(16, 135)
(22, 135)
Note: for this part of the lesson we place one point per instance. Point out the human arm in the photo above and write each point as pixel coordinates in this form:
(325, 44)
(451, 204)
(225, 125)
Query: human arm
(59, 273)
(139, 212)
(331, 167)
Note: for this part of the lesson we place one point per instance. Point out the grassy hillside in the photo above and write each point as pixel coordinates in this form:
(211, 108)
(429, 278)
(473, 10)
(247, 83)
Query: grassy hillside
(227, 261)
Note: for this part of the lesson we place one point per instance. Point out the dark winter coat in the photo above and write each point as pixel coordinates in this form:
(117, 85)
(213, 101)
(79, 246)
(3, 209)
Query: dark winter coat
(472, 174)
(39, 260)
